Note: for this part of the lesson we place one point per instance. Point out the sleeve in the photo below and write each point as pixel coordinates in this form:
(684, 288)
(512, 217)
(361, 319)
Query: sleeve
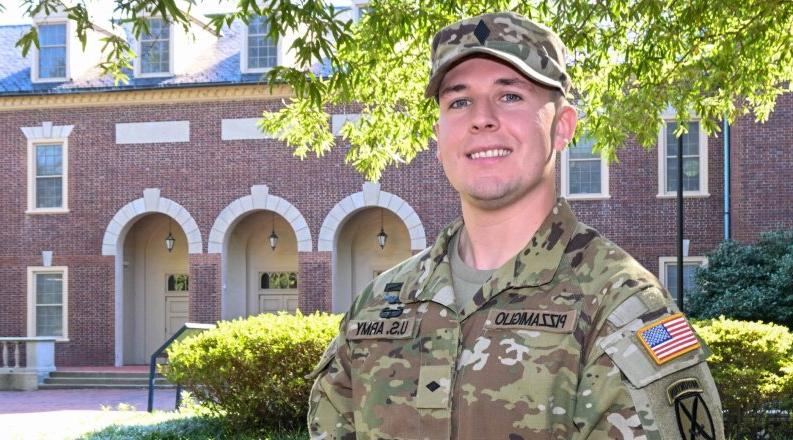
(629, 388)
(330, 409)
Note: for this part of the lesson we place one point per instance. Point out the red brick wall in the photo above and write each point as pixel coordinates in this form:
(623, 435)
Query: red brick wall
(646, 226)
(315, 281)
(762, 163)
(204, 288)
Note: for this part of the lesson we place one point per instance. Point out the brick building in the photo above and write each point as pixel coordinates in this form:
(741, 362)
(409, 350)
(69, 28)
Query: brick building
(96, 177)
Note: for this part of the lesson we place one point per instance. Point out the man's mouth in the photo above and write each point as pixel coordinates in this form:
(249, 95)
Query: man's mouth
(484, 154)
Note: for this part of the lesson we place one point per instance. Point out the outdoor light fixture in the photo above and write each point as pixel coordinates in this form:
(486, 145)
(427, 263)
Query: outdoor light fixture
(382, 236)
(169, 240)
(273, 236)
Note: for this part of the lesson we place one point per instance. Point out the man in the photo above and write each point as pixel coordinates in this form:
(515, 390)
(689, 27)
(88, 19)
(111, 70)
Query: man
(519, 322)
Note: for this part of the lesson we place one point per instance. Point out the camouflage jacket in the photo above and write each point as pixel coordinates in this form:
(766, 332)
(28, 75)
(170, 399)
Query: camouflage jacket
(556, 345)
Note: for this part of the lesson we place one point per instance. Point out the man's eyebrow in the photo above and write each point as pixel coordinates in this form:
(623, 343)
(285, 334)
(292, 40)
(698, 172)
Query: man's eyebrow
(516, 81)
(452, 89)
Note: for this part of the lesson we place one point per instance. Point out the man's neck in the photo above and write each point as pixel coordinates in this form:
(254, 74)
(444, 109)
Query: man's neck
(490, 238)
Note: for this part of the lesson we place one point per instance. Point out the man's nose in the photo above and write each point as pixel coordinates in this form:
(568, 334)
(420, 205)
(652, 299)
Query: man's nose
(484, 117)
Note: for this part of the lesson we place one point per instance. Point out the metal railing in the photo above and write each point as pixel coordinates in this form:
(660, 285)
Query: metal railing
(187, 330)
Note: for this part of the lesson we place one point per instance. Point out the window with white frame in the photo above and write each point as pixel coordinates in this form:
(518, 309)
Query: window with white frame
(584, 172)
(48, 301)
(49, 176)
(155, 48)
(695, 173)
(48, 168)
(668, 272)
(262, 51)
(52, 51)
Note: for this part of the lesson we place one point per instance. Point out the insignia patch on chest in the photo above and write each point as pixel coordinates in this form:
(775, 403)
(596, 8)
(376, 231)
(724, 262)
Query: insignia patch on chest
(543, 320)
(668, 338)
(381, 329)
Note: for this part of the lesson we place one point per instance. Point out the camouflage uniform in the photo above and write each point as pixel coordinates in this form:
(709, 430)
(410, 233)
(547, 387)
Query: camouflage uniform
(558, 344)
(408, 363)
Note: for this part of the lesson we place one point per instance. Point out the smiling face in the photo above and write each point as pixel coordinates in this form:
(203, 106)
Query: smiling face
(494, 133)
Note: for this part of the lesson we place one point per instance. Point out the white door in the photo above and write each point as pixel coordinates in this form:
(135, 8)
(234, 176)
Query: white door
(176, 311)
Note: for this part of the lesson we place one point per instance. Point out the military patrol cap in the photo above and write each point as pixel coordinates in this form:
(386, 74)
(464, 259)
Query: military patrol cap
(529, 47)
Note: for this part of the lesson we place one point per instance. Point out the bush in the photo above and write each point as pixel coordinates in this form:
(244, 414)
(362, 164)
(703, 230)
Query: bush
(751, 282)
(253, 370)
(752, 365)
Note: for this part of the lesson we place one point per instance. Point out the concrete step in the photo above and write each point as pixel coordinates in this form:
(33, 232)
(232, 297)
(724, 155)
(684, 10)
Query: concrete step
(47, 386)
(109, 375)
(104, 380)
(90, 379)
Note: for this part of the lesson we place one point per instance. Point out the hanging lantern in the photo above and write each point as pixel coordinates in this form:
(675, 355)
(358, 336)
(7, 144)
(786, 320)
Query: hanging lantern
(169, 240)
(273, 236)
(382, 236)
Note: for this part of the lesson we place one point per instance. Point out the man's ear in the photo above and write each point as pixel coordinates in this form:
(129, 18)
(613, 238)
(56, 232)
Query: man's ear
(566, 120)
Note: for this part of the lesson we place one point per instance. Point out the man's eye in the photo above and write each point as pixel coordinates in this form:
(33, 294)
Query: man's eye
(511, 97)
(458, 103)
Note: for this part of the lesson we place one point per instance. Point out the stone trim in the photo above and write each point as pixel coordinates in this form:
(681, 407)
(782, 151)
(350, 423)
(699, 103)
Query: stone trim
(152, 132)
(151, 202)
(371, 196)
(260, 199)
(174, 95)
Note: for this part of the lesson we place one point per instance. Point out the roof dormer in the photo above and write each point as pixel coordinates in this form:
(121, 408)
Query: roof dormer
(168, 49)
(52, 59)
(260, 53)
(60, 56)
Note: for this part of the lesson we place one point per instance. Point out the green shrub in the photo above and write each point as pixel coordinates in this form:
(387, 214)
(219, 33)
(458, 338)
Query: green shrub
(751, 282)
(752, 365)
(253, 370)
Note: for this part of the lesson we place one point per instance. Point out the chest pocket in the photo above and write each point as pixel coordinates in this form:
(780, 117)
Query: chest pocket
(385, 362)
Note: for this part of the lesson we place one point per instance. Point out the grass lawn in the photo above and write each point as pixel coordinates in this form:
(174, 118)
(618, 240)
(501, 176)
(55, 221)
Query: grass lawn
(189, 424)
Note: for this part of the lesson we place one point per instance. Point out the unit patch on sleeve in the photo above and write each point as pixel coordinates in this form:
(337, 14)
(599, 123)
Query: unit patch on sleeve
(691, 411)
(381, 329)
(668, 338)
(544, 320)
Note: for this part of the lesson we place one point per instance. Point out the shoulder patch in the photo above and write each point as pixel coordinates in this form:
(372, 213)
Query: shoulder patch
(668, 338)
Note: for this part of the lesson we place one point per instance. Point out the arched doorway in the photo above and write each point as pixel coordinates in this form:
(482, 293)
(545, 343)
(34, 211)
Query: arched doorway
(359, 257)
(339, 236)
(260, 279)
(155, 285)
(240, 234)
(149, 218)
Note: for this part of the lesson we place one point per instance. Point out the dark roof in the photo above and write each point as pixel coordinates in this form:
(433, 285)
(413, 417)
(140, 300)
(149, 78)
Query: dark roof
(219, 64)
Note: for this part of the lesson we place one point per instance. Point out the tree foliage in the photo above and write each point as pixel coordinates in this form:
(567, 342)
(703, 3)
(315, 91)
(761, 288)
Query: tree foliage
(629, 61)
(752, 282)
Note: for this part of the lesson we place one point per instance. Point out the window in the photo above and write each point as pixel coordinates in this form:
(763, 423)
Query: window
(47, 301)
(584, 173)
(695, 170)
(278, 280)
(360, 10)
(48, 168)
(52, 51)
(155, 48)
(49, 176)
(261, 51)
(668, 269)
(177, 283)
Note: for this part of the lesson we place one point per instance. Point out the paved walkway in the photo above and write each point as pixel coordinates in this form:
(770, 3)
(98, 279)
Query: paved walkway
(65, 414)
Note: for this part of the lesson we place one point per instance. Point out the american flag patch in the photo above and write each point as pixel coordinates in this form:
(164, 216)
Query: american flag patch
(668, 338)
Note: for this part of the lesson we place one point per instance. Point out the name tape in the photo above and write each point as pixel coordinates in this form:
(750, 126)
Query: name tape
(381, 329)
(542, 320)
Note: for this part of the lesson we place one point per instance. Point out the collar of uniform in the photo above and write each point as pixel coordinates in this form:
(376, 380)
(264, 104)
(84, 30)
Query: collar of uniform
(435, 279)
(534, 265)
